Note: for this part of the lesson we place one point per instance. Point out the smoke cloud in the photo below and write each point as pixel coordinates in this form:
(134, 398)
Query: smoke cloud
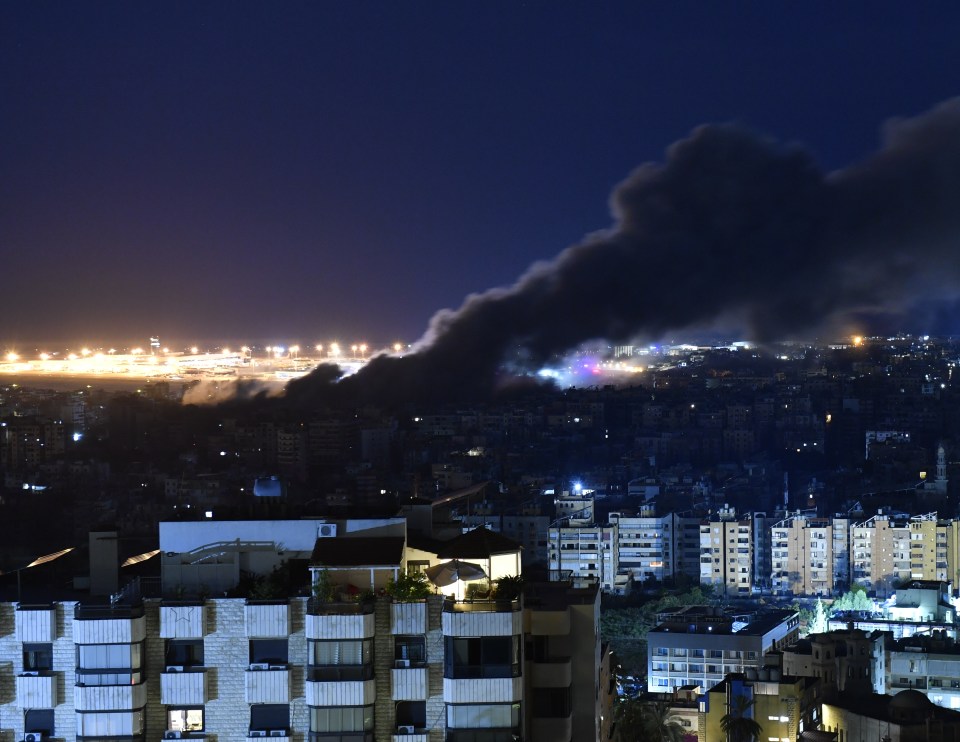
(733, 229)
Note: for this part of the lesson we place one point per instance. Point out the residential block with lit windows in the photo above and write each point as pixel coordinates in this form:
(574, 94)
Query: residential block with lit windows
(334, 667)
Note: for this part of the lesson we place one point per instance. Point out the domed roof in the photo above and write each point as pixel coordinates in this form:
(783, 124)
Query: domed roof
(910, 699)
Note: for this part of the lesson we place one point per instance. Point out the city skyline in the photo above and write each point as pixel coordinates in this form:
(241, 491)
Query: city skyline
(354, 169)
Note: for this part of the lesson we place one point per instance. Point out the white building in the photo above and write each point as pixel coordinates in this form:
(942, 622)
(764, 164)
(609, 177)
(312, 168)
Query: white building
(233, 668)
(699, 645)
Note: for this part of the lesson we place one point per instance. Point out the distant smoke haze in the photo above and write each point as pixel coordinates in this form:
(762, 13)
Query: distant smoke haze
(732, 230)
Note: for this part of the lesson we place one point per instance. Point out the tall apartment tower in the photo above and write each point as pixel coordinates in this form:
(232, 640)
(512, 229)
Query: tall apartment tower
(726, 553)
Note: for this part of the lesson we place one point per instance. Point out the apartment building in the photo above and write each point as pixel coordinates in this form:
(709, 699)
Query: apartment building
(726, 553)
(589, 553)
(803, 556)
(699, 645)
(929, 664)
(822, 556)
(330, 667)
(888, 550)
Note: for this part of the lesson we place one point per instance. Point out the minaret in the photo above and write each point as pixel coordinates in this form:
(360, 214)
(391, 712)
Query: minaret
(940, 483)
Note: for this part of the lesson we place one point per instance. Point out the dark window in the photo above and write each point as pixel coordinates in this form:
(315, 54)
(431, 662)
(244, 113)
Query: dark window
(185, 652)
(39, 720)
(270, 716)
(412, 648)
(269, 651)
(412, 714)
(551, 703)
(344, 659)
(38, 657)
(538, 649)
(482, 657)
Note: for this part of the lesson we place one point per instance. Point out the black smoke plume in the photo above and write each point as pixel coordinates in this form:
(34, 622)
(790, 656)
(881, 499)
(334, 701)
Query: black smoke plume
(734, 230)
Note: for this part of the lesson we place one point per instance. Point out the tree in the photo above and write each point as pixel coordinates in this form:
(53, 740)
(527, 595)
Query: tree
(819, 623)
(855, 599)
(737, 725)
(648, 721)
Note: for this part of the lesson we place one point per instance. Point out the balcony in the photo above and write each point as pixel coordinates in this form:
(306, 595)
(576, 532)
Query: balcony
(36, 691)
(271, 685)
(482, 618)
(36, 623)
(349, 737)
(108, 624)
(417, 736)
(340, 693)
(555, 673)
(267, 618)
(409, 684)
(339, 620)
(183, 688)
(482, 690)
(408, 618)
(113, 697)
(182, 620)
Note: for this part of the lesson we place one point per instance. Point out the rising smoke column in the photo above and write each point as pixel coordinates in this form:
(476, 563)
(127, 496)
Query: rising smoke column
(732, 227)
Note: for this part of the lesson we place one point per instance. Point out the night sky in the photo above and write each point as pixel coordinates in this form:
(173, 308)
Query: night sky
(317, 171)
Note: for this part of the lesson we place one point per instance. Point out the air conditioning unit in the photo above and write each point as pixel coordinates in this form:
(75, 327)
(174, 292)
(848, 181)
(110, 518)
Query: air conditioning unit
(278, 732)
(401, 663)
(260, 666)
(406, 729)
(327, 530)
(172, 734)
(31, 673)
(257, 733)
(33, 737)
(174, 668)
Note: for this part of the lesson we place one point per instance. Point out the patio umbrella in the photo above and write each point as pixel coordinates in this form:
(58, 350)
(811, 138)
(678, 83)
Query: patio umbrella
(453, 571)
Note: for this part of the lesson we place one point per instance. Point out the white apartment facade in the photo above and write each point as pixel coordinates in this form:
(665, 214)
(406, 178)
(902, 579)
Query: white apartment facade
(319, 670)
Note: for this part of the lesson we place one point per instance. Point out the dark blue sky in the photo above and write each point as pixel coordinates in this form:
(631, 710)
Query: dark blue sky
(299, 171)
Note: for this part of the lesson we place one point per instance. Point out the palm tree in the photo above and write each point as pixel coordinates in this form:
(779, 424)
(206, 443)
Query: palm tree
(648, 721)
(661, 722)
(737, 725)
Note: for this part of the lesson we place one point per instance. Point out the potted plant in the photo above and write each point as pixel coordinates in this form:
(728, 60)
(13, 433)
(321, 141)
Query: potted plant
(409, 587)
(509, 587)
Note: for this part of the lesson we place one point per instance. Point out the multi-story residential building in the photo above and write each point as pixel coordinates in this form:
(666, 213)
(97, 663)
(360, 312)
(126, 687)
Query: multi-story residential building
(726, 553)
(699, 645)
(889, 550)
(330, 667)
(803, 556)
(588, 552)
(926, 663)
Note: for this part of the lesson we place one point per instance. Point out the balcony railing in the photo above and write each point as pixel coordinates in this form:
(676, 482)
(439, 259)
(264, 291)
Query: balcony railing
(83, 612)
(317, 607)
(336, 673)
(478, 606)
